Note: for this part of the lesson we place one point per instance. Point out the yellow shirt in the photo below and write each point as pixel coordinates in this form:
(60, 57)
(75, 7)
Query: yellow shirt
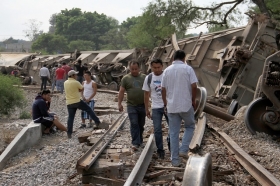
(71, 87)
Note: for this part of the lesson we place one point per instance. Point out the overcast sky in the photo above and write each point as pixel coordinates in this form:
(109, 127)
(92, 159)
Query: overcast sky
(15, 13)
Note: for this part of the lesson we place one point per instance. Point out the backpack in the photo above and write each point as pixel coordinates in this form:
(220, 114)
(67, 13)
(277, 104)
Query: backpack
(149, 80)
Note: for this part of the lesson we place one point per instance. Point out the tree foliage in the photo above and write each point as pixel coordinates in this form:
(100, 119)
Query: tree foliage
(50, 43)
(74, 29)
(81, 45)
(116, 38)
(88, 26)
(151, 27)
(11, 96)
(184, 13)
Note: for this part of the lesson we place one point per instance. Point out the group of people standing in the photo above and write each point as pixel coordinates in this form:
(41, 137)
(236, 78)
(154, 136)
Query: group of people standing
(173, 93)
(74, 91)
(58, 74)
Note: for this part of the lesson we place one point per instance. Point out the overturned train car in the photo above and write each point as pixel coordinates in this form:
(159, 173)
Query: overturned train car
(227, 63)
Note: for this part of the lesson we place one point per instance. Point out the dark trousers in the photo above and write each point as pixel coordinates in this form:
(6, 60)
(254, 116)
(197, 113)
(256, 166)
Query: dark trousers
(72, 108)
(136, 115)
(44, 82)
(80, 79)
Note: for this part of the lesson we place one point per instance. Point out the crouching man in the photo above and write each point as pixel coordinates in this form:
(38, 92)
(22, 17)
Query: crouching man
(41, 115)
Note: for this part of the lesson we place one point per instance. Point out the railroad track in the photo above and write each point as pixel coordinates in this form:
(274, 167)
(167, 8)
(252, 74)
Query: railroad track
(148, 169)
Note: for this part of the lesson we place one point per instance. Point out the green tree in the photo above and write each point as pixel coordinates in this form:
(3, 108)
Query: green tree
(184, 13)
(88, 26)
(11, 96)
(52, 22)
(115, 39)
(50, 43)
(10, 40)
(81, 45)
(151, 28)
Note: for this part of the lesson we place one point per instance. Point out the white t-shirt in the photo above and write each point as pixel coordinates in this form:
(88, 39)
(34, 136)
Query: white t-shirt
(177, 80)
(155, 89)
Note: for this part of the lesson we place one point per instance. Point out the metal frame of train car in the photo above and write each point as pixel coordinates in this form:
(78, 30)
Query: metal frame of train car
(227, 63)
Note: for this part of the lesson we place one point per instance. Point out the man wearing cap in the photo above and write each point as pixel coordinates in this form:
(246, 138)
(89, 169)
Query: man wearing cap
(73, 90)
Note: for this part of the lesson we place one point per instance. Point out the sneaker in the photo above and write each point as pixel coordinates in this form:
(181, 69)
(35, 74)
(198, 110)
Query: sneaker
(82, 126)
(161, 155)
(176, 164)
(135, 147)
(90, 125)
(69, 136)
(183, 155)
(53, 130)
(95, 126)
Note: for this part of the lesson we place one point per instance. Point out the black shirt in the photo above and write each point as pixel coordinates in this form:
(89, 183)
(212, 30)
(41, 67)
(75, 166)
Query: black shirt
(80, 69)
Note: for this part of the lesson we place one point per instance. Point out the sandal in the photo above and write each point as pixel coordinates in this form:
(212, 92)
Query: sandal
(46, 133)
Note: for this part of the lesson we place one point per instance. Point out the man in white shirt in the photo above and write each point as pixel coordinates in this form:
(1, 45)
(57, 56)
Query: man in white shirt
(152, 86)
(44, 73)
(178, 94)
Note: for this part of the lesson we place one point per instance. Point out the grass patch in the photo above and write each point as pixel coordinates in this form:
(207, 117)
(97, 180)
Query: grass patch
(25, 115)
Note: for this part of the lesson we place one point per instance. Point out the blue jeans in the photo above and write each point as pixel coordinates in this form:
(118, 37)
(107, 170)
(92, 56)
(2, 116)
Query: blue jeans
(44, 82)
(53, 84)
(137, 116)
(72, 108)
(157, 120)
(60, 85)
(80, 79)
(175, 120)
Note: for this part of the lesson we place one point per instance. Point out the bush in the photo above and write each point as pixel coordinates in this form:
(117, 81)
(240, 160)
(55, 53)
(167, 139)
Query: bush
(11, 95)
(24, 115)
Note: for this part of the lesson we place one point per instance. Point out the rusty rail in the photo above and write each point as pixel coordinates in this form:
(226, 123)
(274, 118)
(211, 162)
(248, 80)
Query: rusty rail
(198, 133)
(94, 152)
(137, 174)
(263, 176)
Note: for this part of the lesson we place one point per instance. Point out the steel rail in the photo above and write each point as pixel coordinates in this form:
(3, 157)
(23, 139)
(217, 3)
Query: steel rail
(85, 162)
(263, 176)
(198, 133)
(137, 174)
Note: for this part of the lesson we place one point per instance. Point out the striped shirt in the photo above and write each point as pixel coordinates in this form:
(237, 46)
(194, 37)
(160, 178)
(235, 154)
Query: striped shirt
(177, 80)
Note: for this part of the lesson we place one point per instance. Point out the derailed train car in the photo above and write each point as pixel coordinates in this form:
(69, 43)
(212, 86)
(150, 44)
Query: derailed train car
(239, 66)
(227, 63)
(108, 66)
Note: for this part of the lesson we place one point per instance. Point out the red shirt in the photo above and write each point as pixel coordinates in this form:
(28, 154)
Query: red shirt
(59, 73)
(66, 68)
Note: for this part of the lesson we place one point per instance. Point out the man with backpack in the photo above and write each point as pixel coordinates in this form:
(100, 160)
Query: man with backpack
(152, 87)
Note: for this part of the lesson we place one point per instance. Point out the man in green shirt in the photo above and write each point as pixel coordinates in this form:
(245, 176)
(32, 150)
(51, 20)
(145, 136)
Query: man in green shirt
(132, 83)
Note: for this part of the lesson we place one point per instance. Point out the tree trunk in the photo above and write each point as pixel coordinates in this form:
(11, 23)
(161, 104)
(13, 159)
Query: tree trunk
(262, 6)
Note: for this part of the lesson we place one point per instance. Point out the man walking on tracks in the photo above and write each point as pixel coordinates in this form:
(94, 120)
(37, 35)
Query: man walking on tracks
(178, 94)
(152, 86)
(132, 83)
(44, 73)
(73, 89)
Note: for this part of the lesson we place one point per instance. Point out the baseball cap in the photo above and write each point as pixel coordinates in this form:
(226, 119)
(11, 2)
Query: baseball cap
(72, 72)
